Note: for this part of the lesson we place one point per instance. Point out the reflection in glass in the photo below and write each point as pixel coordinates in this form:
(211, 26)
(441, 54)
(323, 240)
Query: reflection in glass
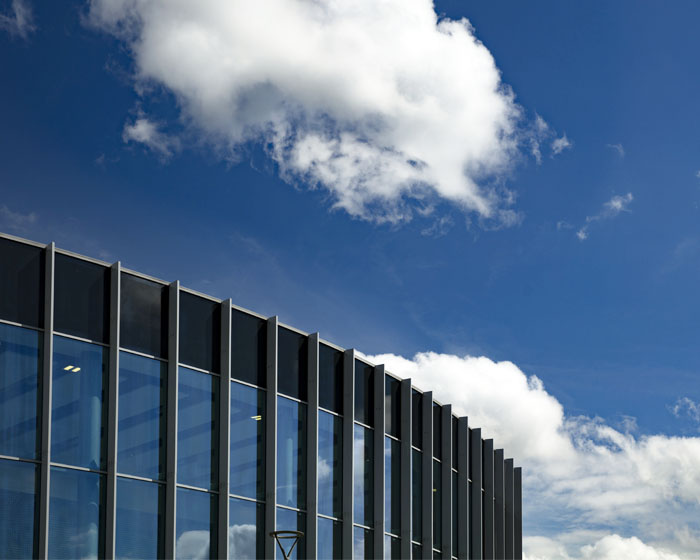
(455, 524)
(143, 323)
(362, 546)
(247, 472)
(142, 401)
(392, 485)
(437, 431)
(455, 442)
(330, 378)
(290, 520)
(364, 393)
(417, 495)
(291, 453)
(200, 332)
(76, 514)
(195, 525)
(392, 409)
(77, 412)
(363, 461)
(416, 419)
(293, 358)
(330, 467)
(437, 505)
(392, 548)
(197, 428)
(139, 523)
(17, 503)
(246, 524)
(22, 283)
(20, 363)
(248, 348)
(329, 539)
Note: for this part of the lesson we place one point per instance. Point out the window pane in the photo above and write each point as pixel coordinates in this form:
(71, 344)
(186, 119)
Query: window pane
(248, 348)
(437, 505)
(200, 332)
(20, 364)
(144, 316)
(246, 530)
(455, 523)
(197, 429)
(392, 485)
(392, 548)
(17, 506)
(81, 302)
(437, 431)
(455, 442)
(139, 524)
(247, 456)
(363, 461)
(330, 464)
(76, 514)
(289, 520)
(417, 495)
(22, 283)
(417, 419)
(362, 548)
(330, 378)
(364, 393)
(291, 453)
(417, 551)
(77, 412)
(292, 364)
(392, 409)
(195, 525)
(142, 406)
(330, 539)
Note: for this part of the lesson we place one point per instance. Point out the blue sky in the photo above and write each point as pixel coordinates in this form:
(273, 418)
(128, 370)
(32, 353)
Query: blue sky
(584, 273)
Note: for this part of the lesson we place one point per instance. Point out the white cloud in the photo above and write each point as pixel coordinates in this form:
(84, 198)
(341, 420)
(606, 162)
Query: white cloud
(686, 407)
(541, 132)
(610, 209)
(698, 174)
(584, 480)
(16, 221)
(561, 144)
(20, 21)
(619, 148)
(384, 104)
(148, 133)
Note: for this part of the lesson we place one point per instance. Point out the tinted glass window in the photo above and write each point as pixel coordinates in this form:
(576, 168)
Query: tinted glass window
(144, 316)
(140, 519)
(20, 363)
(292, 364)
(417, 495)
(330, 464)
(392, 548)
(200, 332)
(247, 458)
(364, 393)
(246, 530)
(437, 431)
(363, 548)
(195, 525)
(363, 462)
(329, 538)
(437, 505)
(248, 348)
(455, 442)
(392, 408)
(291, 453)
(295, 521)
(21, 283)
(81, 298)
(17, 502)
(417, 419)
(392, 485)
(330, 378)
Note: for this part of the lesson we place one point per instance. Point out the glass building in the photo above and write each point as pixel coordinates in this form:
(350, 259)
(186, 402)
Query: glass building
(140, 419)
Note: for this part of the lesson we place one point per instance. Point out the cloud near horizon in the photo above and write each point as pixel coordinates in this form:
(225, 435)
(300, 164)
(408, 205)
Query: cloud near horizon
(385, 105)
(589, 490)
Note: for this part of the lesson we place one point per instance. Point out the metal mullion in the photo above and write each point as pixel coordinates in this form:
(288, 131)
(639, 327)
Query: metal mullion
(499, 511)
(312, 447)
(224, 429)
(112, 411)
(463, 489)
(476, 517)
(171, 431)
(488, 508)
(46, 386)
(271, 438)
(348, 458)
(379, 459)
(427, 482)
(508, 483)
(446, 420)
(406, 451)
(517, 513)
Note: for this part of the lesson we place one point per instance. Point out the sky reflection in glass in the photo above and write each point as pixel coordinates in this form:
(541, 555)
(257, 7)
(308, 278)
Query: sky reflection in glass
(139, 524)
(246, 526)
(195, 525)
(330, 466)
(247, 472)
(363, 461)
(17, 502)
(291, 453)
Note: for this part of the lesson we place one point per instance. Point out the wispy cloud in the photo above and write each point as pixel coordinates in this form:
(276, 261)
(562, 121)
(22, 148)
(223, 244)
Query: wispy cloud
(16, 222)
(146, 132)
(540, 133)
(611, 208)
(561, 144)
(619, 148)
(686, 407)
(19, 21)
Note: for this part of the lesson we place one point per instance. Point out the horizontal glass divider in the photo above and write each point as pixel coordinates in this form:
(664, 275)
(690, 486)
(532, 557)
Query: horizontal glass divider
(194, 368)
(13, 324)
(321, 409)
(392, 437)
(251, 385)
(393, 535)
(363, 425)
(291, 398)
(324, 516)
(142, 354)
(417, 448)
(197, 488)
(76, 468)
(22, 459)
(363, 526)
(81, 339)
(291, 508)
(246, 498)
(143, 478)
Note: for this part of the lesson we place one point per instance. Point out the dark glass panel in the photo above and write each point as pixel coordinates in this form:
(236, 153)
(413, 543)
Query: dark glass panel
(392, 409)
(22, 283)
(20, 364)
(246, 530)
(455, 442)
(364, 393)
(247, 455)
(291, 453)
(363, 461)
(417, 419)
(363, 545)
(197, 429)
(142, 416)
(437, 505)
(392, 485)
(77, 412)
(330, 378)
(455, 521)
(292, 364)
(437, 431)
(417, 550)
(195, 525)
(483, 465)
(470, 454)
(437, 555)
(76, 514)
(330, 464)
(17, 509)
(470, 540)
(329, 539)
(144, 316)
(248, 348)
(140, 519)
(392, 548)
(289, 520)
(81, 298)
(200, 332)
(417, 495)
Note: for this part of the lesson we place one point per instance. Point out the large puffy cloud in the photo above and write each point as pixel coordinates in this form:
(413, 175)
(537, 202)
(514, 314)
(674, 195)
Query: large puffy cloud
(383, 103)
(589, 490)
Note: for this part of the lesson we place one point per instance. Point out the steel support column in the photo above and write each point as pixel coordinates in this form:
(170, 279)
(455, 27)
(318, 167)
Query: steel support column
(406, 437)
(312, 446)
(509, 479)
(499, 515)
(171, 430)
(477, 551)
(488, 499)
(271, 439)
(446, 420)
(463, 490)
(224, 428)
(379, 459)
(517, 513)
(348, 443)
(427, 486)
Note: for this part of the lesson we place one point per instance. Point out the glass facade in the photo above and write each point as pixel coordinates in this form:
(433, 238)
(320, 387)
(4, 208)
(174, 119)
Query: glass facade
(291, 453)
(17, 509)
(139, 519)
(392, 486)
(363, 489)
(247, 454)
(143, 319)
(245, 529)
(330, 466)
(195, 525)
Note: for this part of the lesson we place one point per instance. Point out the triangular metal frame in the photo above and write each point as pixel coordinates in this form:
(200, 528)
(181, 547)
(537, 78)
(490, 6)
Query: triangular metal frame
(279, 536)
